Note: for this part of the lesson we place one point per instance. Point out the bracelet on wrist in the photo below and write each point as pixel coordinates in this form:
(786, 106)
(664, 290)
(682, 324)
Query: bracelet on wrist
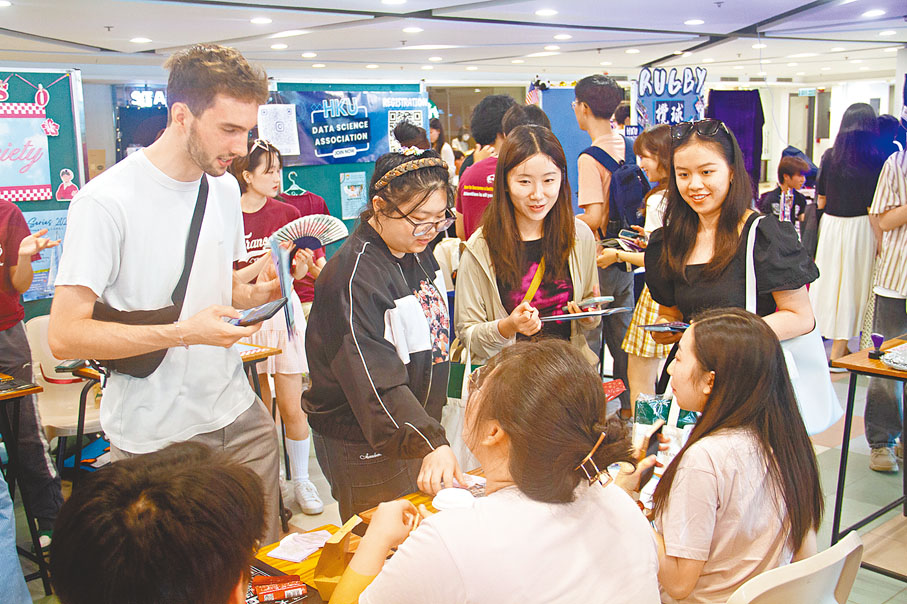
(179, 334)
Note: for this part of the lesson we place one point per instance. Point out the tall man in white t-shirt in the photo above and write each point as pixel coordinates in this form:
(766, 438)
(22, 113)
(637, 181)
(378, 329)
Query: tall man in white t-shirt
(125, 243)
(597, 96)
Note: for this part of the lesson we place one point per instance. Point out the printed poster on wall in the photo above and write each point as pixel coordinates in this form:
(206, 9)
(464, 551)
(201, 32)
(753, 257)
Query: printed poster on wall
(668, 96)
(338, 127)
(277, 125)
(24, 160)
(42, 285)
(353, 193)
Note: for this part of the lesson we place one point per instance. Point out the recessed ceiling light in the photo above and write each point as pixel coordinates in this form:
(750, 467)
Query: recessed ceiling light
(687, 53)
(738, 66)
(758, 46)
(838, 49)
(693, 22)
(371, 66)
(632, 51)
(605, 63)
(412, 30)
(677, 52)
(428, 67)
(766, 60)
(803, 55)
(140, 40)
(887, 32)
(825, 68)
(562, 37)
(5, 3)
(545, 12)
(309, 55)
(552, 47)
(472, 68)
(317, 65)
(289, 33)
(435, 59)
(477, 90)
(547, 53)
(393, 2)
(864, 69)
(876, 12)
(518, 61)
(260, 20)
(855, 61)
(708, 60)
(278, 46)
(792, 64)
(801, 73)
(892, 49)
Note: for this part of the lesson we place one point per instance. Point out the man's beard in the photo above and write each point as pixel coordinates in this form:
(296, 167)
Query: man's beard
(208, 165)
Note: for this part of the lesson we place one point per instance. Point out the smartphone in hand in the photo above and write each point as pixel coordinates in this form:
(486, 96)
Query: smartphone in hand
(672, 327)
(257, 314)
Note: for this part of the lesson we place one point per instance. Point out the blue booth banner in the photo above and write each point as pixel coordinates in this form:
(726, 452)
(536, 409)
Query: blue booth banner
(349, 127)
(663, 96)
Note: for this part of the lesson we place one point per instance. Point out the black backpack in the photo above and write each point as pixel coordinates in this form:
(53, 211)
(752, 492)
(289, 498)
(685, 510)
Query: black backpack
(627, 191)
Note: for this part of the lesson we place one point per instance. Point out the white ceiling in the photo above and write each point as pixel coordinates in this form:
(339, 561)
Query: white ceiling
(500, 39)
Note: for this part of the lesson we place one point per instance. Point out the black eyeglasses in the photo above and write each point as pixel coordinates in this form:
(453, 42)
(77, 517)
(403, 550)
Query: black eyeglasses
(707, 127)
(421, 229)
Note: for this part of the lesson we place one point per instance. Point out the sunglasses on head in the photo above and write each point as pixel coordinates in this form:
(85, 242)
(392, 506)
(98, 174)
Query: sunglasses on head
(707, 127)
(260, 143)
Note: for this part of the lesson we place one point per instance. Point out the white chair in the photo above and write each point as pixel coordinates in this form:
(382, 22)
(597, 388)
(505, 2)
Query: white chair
(825, 578)
(58, 405)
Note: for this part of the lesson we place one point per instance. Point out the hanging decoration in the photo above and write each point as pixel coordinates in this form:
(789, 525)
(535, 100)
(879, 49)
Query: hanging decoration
(50, 127)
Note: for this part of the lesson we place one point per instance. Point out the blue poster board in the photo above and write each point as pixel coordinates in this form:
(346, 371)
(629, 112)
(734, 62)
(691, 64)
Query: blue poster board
(557, 104)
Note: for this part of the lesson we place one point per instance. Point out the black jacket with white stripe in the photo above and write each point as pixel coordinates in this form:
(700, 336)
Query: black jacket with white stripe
(369, 347)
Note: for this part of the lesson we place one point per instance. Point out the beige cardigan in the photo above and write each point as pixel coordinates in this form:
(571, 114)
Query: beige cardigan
(478, 306)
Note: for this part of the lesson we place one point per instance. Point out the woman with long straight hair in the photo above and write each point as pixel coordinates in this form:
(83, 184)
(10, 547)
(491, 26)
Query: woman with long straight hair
(847, 180)
(440, 145)
(698, 260)
(743, 495)
(530, 258)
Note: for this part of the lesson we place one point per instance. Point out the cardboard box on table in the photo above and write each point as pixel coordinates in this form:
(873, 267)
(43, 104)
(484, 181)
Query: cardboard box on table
(335, 557)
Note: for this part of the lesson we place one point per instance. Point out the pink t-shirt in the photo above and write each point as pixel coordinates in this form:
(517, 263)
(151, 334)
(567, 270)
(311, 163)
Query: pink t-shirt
(475, 191)
(13, 229)
(259, 226)
(723, 508)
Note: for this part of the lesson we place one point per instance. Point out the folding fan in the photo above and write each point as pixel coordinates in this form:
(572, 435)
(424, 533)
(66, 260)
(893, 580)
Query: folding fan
(312, 232)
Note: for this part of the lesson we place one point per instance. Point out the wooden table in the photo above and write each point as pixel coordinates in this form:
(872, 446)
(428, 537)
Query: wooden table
(859, 364)
(305, 569)
(9, 430)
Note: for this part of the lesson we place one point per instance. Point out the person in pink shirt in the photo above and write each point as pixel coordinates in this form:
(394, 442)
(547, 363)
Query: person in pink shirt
(258, 174)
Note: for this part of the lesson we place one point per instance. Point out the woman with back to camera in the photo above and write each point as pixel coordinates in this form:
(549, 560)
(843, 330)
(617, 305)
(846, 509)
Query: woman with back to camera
(698, 259)
(378, 343)
(644, 354)
(530, 258)
(743, 495)
(547, 531)
(847, 180)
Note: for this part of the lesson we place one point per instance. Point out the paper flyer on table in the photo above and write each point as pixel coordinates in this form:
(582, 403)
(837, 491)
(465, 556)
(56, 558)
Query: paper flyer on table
(296, 547)
(277, 125)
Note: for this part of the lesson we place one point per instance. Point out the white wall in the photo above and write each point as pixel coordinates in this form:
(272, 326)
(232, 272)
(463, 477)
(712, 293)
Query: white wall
(100, 123)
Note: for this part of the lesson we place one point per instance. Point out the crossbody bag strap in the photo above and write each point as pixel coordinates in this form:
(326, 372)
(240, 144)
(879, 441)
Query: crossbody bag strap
(751, 267)
(195, 227)
(536, 281)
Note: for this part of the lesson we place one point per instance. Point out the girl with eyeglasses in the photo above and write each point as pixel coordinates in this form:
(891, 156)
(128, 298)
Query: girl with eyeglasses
(743, 495)
(258, 174)
(698, 259)
(552, 527)
(378, 343)
(530, 258)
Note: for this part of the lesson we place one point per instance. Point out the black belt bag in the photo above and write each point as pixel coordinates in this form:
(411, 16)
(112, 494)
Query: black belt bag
(143, 365)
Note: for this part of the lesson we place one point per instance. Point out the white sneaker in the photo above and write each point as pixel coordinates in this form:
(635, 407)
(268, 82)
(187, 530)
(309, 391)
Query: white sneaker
(307, 497)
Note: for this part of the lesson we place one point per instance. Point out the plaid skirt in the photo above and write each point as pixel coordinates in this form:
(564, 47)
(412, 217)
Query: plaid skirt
(639, 341)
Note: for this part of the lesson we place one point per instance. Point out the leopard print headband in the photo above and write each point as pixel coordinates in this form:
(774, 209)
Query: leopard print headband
(415, 164)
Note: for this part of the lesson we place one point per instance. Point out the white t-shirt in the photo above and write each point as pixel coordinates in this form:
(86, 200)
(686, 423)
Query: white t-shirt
(509, 548)
(125, 240)
(724, 509)
(655, 211)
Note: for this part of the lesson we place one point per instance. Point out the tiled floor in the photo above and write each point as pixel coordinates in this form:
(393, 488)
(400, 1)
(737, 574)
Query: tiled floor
(885, 540)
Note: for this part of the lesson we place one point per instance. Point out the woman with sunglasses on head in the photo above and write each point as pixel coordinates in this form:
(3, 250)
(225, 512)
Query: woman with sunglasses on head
(258, 174)
(530, 258)
(547, 530)
(698, 259)
(378, 343)
(743, 495)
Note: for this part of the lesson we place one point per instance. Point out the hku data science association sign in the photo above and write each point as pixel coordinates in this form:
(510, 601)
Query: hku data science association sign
(668, 96)
(348, 127)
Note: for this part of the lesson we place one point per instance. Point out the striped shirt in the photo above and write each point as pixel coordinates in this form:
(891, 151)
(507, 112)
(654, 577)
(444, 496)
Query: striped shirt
(891, 192)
